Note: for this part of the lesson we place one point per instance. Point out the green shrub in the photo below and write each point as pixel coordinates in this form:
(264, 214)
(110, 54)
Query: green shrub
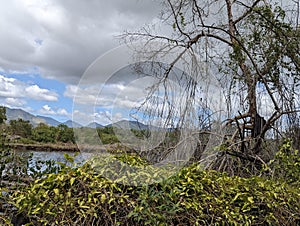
(44, 133)
(197, 197)
(81, 196)
(286, 165)
(75, 197)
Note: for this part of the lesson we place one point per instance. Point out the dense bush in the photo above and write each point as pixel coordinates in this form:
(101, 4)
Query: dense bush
(285, 166)
(64, 134)
(81, 196)
(20, 128)
(22, 131)
(51, 134)
(75, 197)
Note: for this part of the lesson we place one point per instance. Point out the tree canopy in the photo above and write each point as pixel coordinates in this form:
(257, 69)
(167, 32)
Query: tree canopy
(2, 115)
(250, 47)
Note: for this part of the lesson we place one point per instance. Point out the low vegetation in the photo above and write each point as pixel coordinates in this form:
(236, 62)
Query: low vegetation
(81, 196)
(98, 193)
(23, 132)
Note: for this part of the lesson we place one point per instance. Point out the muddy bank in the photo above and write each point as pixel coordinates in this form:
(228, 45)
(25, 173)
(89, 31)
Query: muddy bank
(44, 147)
(68, 147)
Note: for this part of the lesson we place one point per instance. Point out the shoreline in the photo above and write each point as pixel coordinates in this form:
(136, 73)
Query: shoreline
(44, 147)
(48, 147)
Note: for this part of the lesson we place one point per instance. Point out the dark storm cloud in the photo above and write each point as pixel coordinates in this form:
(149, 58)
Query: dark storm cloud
(61, 38)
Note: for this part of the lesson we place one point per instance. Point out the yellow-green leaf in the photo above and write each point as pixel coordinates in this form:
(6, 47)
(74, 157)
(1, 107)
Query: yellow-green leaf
(56, 191)
(72, 180)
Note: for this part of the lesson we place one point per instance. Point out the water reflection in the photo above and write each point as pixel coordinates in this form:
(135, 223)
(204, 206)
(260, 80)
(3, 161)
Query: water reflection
(37, 159)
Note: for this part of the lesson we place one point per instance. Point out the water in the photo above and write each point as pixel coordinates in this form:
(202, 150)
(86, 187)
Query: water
(38, 159)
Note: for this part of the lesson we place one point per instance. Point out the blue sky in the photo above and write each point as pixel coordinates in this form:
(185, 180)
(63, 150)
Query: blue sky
(49, 101)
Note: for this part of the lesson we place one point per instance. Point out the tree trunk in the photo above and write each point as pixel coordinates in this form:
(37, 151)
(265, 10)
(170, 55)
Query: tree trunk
(250, 79)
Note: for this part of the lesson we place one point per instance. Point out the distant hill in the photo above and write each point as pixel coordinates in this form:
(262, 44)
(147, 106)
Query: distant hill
(15, 114)
(95, 125)
(48, 120)
(131, 124)
(72, 124)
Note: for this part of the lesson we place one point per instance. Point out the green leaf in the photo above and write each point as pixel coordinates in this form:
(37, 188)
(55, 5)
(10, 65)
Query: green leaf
(102, 198)
(56, 191)
(250, 199)
(72, 180)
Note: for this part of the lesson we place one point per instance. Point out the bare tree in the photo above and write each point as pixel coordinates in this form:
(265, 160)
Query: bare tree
(253, 49)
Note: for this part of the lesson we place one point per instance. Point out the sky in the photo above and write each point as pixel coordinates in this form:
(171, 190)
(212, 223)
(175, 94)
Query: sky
(55, 56)
(46, 46)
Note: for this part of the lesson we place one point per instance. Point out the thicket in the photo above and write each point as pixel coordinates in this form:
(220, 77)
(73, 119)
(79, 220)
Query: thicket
(22, 131)
(107, 135)
(69, 194)
(81, 196)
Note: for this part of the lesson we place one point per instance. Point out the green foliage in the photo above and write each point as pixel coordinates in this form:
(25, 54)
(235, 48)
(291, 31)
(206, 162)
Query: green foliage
(11, 165)
(44, 133)
(129, 169)
(293, 133)
(65, 134)
(81, 196)
(107, 135)
(273, 42)
(196, 197)
(20, 128)
(89, 136)
(2, 115)
(141, 134)
(50, 134)
(13, 172)
(85, 135)
(75, 197)
(5, 221)
(286, 165)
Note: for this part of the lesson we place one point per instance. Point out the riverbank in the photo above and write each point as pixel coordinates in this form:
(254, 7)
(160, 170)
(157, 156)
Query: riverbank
(44, 147)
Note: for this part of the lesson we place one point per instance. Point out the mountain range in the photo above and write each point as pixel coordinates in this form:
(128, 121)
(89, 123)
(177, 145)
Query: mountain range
(15, 114)
(129, 124)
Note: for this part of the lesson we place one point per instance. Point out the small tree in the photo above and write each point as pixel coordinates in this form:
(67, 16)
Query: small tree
(65, 134)
(21, 128)
(44, 133)
(2, 115)
(2, 128)
(253, 49)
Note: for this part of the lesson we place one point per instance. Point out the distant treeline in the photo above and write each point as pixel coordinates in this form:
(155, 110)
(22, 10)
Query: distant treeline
(22, 131)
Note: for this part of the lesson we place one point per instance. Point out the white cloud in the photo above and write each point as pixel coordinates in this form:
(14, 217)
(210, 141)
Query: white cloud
(62, 111)
(82, 117)
(101, 117)
(110, 95)
(37, 93)
(118, 117)
(13, 88)
(125, 98)
(82, 95)
(47, 110)
(15, 102)
(10, 87)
